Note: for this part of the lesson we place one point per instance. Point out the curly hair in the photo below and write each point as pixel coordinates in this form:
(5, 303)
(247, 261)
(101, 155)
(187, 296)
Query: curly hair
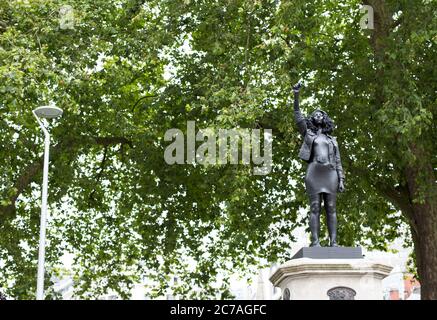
(327, 125)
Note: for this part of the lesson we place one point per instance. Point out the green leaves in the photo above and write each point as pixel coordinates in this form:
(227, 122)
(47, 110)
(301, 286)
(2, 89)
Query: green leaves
(130, 70)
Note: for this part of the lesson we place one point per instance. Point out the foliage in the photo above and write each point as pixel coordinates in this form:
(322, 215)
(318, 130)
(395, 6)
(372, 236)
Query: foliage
(129, 70)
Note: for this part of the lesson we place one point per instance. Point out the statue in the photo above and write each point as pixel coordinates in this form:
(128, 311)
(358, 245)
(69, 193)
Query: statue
(324, 175)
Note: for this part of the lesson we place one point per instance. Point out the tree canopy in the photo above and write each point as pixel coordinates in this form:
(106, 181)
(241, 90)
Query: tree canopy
(126, 71)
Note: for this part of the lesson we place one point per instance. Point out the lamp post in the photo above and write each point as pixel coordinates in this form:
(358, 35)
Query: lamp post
(47, 112)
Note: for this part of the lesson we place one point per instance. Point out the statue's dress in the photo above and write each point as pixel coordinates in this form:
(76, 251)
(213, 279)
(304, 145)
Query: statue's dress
(320, 175)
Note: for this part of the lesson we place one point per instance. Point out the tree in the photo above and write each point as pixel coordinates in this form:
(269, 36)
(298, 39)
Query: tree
(125, 213)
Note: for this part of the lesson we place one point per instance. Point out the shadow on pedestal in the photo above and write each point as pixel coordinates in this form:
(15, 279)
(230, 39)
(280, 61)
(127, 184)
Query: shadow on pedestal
(329, 253)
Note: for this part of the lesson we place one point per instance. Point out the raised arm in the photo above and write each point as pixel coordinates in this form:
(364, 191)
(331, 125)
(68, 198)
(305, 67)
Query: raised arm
(298, 117)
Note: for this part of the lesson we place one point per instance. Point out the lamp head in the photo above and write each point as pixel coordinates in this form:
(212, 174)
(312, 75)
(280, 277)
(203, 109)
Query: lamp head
(48, 112)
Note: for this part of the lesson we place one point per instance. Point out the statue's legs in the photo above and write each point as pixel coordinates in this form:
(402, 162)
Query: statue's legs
(331, 217)
(315, 207)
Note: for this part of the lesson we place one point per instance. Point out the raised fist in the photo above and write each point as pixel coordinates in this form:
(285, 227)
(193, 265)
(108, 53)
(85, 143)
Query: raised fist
(297, 87)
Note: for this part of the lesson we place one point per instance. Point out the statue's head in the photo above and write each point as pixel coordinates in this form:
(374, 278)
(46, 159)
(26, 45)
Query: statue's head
(320, 118)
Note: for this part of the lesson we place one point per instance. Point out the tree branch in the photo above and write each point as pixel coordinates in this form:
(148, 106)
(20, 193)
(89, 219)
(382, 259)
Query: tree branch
(106, 141)
(99, 174)
(142, 98)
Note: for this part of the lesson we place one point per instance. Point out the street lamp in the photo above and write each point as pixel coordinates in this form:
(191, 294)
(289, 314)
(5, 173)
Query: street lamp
(47, 112)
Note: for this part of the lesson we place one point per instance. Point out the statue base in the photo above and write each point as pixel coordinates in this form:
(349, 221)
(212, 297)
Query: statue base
(329, 253)
(330, 273)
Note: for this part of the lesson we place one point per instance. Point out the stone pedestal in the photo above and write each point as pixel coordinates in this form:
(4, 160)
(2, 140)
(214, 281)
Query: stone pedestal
(330, 273)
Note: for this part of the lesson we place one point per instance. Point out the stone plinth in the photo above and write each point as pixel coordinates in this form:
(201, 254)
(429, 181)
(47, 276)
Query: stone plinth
(324, 278)
(329, 253)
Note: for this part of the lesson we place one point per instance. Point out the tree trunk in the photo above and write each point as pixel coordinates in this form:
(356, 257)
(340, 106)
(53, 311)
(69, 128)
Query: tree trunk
(423, 217)
(425, 247)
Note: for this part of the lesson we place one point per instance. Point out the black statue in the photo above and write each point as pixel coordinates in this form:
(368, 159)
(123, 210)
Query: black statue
(324, 175)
